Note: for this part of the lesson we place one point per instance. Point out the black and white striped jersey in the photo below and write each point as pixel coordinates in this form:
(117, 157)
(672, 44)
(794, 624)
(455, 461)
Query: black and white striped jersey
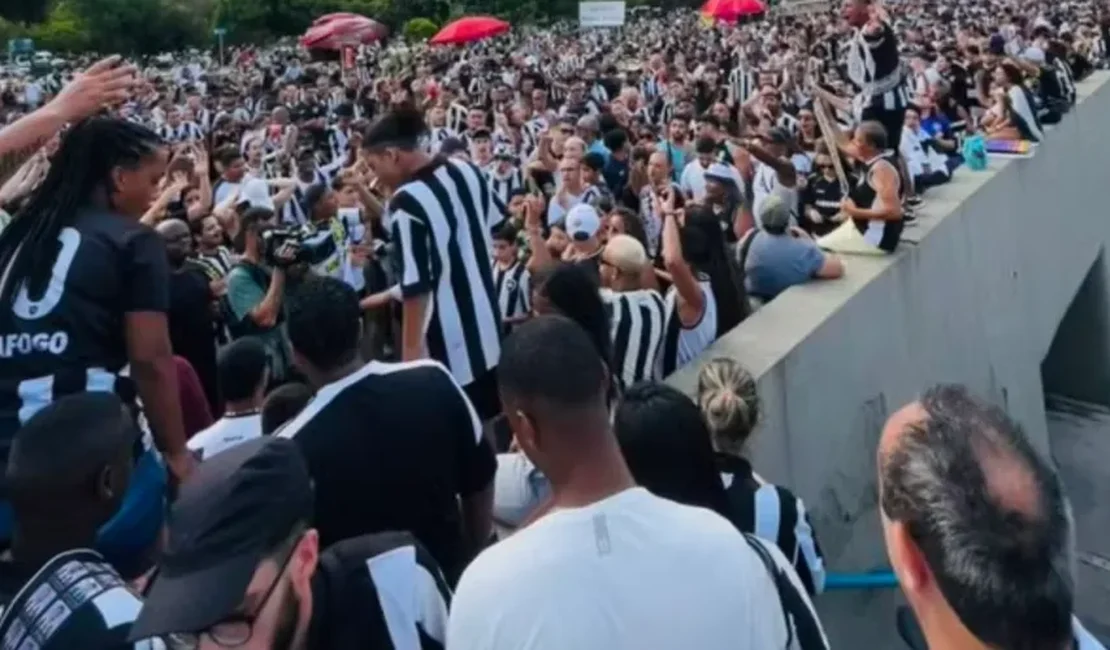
(203, 119)
(216, 265)
(456, 117)
(1067, 79)
(773, 513)
(379, 591)
(788, 123)
(441, 220)
(514, 288)
(742, 82)
(599, 93)
(651, 89)
(293, 212)
(504, 186)
(637, 320)
(436, 136)
(338, 139)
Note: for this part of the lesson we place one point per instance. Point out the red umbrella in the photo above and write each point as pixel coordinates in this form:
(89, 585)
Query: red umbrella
(732, 10)
(329, 17)
(342, 32)
(470, 29)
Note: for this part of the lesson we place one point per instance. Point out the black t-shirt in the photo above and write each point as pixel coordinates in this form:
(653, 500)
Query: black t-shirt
(393, 447)
(824, 195)
(70, 337)
(306, 111)
(358, 579)
(191, 330)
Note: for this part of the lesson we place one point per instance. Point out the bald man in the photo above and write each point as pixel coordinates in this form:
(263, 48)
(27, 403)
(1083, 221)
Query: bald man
(977, 527)
(192, 311)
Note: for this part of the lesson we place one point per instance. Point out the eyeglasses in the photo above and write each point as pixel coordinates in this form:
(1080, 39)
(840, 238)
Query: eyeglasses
(237, 629)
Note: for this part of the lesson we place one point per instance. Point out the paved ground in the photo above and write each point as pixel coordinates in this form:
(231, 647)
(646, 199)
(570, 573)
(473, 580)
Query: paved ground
(1079, 434)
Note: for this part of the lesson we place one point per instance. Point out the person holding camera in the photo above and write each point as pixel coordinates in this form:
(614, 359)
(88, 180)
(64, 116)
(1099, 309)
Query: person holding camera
(256, 289)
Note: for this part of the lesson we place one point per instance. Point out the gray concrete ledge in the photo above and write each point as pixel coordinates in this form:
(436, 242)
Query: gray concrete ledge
(974, 295)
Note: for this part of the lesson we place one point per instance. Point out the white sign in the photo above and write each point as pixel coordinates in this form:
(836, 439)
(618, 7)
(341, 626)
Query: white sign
(600, 14)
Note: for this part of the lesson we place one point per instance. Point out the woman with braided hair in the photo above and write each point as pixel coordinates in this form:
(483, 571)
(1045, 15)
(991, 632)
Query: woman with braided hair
(83, 300)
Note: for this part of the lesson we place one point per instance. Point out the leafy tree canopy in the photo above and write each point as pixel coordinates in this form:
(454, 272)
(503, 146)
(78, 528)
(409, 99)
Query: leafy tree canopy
(151, 26)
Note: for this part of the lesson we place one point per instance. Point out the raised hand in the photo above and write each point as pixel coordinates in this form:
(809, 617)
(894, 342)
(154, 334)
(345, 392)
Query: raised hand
(105, 83)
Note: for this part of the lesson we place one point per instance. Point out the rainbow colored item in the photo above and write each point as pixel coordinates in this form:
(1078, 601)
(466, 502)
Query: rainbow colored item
(1010, 147)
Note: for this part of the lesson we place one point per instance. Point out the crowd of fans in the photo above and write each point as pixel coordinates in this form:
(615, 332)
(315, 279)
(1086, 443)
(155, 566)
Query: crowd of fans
(302, 355)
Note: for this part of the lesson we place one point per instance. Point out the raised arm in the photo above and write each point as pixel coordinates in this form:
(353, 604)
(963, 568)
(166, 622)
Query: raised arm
(103, 84)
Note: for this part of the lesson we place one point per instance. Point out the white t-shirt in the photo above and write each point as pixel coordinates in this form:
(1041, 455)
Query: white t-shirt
(225, 433)
(631, 572)
(693, 180)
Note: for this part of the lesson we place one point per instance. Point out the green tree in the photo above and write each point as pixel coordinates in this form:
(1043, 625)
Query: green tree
(419, 29)
(144, 26)
(64, 30)
(10, 30)
(24, 11)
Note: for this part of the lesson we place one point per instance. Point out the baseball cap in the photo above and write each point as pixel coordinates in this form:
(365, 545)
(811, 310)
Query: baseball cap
(720, 172)
(626, 253)
(594, 161)
(312, 197)
(256, 193)
(237, 507)
(582, 222)
(451, 146)
(774, 214)
(778, 135)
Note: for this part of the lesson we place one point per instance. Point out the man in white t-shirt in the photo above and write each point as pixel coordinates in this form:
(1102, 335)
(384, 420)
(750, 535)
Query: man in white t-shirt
(243, 373)
(610, 566)
(693, 176)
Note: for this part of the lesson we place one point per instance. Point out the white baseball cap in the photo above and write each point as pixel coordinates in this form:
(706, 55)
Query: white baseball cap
(256, 193)
(582, 222)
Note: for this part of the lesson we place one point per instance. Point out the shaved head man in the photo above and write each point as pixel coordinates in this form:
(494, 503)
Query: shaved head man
(179, 241)
(977, 528)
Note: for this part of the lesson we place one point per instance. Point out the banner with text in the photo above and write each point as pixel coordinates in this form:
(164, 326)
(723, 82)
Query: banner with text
(600, 14)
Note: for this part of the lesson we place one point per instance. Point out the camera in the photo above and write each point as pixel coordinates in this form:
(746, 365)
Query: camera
(274, 239)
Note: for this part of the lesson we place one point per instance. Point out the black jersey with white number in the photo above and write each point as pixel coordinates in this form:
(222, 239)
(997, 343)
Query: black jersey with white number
(69, 337)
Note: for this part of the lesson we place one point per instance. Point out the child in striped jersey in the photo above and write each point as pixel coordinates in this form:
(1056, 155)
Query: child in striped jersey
(511, 280)
(504, 176)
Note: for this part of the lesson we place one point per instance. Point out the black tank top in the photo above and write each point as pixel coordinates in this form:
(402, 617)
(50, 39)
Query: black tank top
(864, 195)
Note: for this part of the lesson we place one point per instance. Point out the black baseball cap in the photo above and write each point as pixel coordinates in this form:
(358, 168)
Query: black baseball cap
(238, 506)
(452, 146)
(778, 135)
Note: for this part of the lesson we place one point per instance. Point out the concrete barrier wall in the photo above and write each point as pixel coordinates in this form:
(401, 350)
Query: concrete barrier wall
(974, 295)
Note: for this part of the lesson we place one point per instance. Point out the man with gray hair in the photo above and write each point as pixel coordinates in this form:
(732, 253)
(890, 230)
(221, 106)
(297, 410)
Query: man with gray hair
(977, 527)
(780, 255)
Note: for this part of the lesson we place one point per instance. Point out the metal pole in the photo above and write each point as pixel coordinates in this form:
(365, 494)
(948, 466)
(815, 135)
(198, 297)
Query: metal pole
(221, 35)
